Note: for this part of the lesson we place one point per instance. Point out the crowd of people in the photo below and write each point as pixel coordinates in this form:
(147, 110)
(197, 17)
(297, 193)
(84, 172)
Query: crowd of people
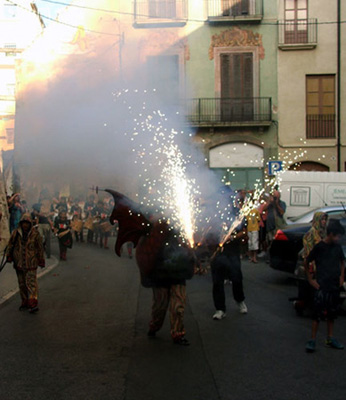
(253, 230)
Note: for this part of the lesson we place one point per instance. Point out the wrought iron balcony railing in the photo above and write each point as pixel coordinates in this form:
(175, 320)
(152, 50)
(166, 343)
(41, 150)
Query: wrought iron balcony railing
(320, 126)
(221, 10)
(299, 32)
(229, 111)
(157, 10)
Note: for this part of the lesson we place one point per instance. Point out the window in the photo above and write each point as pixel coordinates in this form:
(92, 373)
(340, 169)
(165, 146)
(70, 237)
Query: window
(235, 8)
(11, 89)
(296, 19)
(237, 84)
(162, 8)
(10, 135)
(10, 46)
(320, 106)
(9, 11)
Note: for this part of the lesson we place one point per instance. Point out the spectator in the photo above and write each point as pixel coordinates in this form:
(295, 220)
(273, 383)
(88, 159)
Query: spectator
(330, 275)
(15, 210)
(253, 220)
(275, 209)
(25, 250)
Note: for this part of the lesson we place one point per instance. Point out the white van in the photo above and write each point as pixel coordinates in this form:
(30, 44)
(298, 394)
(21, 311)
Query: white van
(304, 191)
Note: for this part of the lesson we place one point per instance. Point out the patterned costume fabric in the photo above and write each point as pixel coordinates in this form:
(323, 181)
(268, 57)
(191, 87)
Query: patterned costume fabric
(314, 236)
(28, 287)
(26, 252)
(174, 298)
(26, 255)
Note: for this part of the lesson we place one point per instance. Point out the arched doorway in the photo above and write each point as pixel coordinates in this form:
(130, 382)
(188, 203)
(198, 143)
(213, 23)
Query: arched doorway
(309, 166)
(240, 164)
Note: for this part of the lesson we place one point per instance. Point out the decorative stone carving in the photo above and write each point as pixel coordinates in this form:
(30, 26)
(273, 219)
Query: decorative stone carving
(236, 37)
(160, 41)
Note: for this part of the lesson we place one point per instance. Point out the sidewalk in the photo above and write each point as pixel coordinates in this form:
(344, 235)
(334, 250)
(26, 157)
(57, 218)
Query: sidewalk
(8, 278)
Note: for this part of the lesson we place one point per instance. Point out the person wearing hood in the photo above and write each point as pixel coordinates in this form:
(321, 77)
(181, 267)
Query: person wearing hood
(316, 234)
(25, 250)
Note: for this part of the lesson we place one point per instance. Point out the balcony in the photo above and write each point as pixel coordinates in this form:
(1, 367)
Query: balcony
(152, 13)
(320, 126)
(300, 34)
(228, 112)
(225, 11)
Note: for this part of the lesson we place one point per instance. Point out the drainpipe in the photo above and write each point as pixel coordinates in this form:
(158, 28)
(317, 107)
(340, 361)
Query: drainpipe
(338, 119)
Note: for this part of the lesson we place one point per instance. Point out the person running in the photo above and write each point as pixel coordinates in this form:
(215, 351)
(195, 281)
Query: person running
(330, 275)
(25, 250)
(226, 264)
(63, 231)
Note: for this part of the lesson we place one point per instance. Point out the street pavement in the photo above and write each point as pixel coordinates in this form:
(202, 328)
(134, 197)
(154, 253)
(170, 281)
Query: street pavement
(89, 340)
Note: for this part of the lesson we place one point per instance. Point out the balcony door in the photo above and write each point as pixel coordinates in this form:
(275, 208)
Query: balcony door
(162, 8)
(296, 18)
(320, 106)
(237, 84)
(235, 8)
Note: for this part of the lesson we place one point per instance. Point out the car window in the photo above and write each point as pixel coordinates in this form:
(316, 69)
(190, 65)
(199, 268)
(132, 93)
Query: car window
(307, 214)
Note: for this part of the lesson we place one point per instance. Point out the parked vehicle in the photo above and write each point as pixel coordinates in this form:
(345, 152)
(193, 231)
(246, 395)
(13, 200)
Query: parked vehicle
(288, 242)
(305, 191)
(332, 211)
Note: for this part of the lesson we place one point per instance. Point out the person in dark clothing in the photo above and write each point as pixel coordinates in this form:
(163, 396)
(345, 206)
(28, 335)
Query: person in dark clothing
(89, 210)
(174, 265)
(16, 211)
(329, 259)
(226, 264)
(77, 222)
(44, 227)
(62, 205)
(63, 231)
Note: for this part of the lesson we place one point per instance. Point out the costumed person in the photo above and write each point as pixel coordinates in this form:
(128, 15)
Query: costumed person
(62, 229)
(25, 250)
(89, 210)
(43, 225)
(164, 268)
(77, 222)
(317, 232)
(226, 264)
(105, 227)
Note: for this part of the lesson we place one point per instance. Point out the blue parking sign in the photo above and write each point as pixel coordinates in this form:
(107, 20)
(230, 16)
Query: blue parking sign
(274, 167)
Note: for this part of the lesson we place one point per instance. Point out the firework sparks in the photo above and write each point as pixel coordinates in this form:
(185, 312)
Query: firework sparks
(165, 185)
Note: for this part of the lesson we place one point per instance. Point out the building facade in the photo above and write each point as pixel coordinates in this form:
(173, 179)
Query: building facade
(18, 29)
(309, 90)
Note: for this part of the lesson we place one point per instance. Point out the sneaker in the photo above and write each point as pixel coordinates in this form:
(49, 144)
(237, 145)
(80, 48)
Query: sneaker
(182, 341)
(219, 315)
(242, 308)
(262, 254)
(310, 346)
(334, 344)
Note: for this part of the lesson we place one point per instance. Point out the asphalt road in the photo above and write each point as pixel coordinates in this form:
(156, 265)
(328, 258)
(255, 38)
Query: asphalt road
(89, 341)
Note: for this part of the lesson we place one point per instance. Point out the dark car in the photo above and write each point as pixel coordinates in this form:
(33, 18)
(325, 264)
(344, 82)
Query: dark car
(288, 243)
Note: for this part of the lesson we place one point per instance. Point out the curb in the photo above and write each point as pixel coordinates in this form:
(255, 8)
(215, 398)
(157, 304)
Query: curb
(42, 273)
